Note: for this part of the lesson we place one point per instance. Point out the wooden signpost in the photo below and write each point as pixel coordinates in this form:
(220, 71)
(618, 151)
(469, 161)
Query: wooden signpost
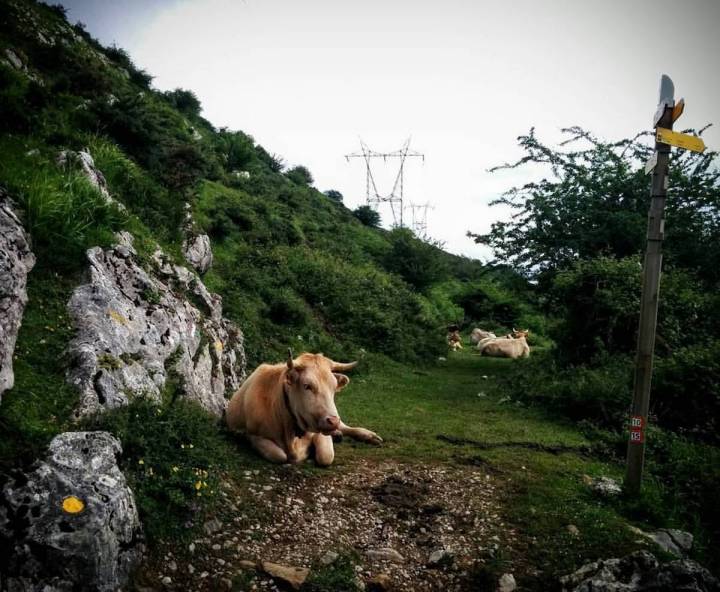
(668, 111)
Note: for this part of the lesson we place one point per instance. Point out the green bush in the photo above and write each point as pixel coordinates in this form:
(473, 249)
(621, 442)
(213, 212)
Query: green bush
(418, 262)
(173, 455)
(600, 393)
(686, 393)
(367, 216)
(300, 175)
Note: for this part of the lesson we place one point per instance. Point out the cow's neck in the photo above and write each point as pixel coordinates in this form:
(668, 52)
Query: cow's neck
(297, 430)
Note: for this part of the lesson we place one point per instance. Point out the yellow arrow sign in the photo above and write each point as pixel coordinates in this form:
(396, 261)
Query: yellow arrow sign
(685, 141)
(678, 109)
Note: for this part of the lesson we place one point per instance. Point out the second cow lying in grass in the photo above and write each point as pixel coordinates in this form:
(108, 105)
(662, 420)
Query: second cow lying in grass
(511, 346)
(288, 410)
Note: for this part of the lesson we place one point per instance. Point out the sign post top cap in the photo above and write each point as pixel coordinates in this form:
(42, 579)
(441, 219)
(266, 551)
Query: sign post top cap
(667, 90)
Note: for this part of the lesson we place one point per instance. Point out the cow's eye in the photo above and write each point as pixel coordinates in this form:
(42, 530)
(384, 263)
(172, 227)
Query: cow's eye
(308, 387)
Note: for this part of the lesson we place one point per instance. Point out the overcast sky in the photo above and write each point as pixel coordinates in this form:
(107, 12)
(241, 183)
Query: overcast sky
(464, 78)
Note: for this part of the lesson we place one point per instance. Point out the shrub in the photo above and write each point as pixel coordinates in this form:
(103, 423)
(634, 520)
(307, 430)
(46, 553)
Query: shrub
(185, 101)
(300, 175)
(334, 195)
(418, 262)
(601, 393)
(685, 394)
(367, 216)
(172, 456)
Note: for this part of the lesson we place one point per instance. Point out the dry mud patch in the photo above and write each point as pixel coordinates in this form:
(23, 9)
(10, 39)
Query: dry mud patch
(373, 511)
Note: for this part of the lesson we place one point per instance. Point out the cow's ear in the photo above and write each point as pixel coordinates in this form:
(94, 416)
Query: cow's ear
(342, 381)
(291, 377)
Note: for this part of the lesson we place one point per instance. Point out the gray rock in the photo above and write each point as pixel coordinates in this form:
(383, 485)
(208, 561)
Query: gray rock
(16, 261)
(329, 558)
(677, 542)
(440, 557)
(83, 160)
(197, 252)
(606, 486)
(640, 572)
(385, 554)
(14, 60)
(136, 328)
(51, 548)
(506, 583)
(212, 526)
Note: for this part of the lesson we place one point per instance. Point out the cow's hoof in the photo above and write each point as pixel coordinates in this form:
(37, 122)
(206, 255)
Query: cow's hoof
(373, 438)
(337, 436)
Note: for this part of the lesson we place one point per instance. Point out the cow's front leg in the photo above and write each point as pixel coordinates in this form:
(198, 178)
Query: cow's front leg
(324, 450)
(360, 434)
(268, 449)
(300, 448)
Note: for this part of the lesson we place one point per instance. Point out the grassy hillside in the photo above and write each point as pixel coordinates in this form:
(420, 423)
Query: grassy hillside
(294, 266)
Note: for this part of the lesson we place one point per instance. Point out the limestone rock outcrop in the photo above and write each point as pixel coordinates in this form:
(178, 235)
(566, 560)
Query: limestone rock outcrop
(16, 261)
(71, 524)
(196, 246)
(640, 572)
(197, 252)
(136, 329)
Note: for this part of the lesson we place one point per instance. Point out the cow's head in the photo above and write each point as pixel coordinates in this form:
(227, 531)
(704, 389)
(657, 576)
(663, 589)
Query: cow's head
(311, 381)
(518, 334)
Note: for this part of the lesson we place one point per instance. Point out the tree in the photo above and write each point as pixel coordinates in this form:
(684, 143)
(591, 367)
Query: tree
(419, 263)
(185, 101)
(300, 175)
(367, 216)
(594, 202)
(334, 195)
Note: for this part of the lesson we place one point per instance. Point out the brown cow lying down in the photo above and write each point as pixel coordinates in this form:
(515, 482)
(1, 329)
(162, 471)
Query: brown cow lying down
(287, 409)
(512, 346)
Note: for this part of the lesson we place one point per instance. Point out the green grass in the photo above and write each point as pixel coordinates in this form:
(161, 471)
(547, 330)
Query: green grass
(542, 493)
(39, 406)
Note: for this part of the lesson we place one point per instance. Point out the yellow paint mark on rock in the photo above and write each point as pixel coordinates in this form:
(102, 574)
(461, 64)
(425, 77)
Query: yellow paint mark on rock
(73, 505)
(117, 317)
(218, 346)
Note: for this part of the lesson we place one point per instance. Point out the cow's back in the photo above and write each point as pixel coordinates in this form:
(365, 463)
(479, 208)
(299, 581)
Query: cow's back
(507, 348)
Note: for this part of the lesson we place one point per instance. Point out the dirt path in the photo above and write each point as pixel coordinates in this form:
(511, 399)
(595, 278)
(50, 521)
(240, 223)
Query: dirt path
(371, 512)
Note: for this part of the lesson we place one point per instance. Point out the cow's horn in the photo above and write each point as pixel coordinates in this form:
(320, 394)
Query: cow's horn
(340, 367)
(290, 359)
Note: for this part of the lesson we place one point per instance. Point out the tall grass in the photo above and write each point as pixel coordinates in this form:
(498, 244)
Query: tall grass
(63, 212)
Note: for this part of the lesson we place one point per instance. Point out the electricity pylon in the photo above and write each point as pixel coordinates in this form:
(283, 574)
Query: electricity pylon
(396, 197)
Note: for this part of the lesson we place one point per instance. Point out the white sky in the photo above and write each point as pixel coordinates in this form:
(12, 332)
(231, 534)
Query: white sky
(464, 78)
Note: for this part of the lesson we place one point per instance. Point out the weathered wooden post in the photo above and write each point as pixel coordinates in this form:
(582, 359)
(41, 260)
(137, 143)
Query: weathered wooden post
(665, 115)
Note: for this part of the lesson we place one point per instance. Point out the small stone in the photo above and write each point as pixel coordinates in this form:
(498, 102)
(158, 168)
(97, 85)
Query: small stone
(573, 530)
(190, 568)
(293, 576)
(167, 580)
(191, 547)
(216, 547)
(172, 566)
(440, 557)
(246, 564)
(506, 583)
(212, 526)
(329, 557)
(385, 554)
